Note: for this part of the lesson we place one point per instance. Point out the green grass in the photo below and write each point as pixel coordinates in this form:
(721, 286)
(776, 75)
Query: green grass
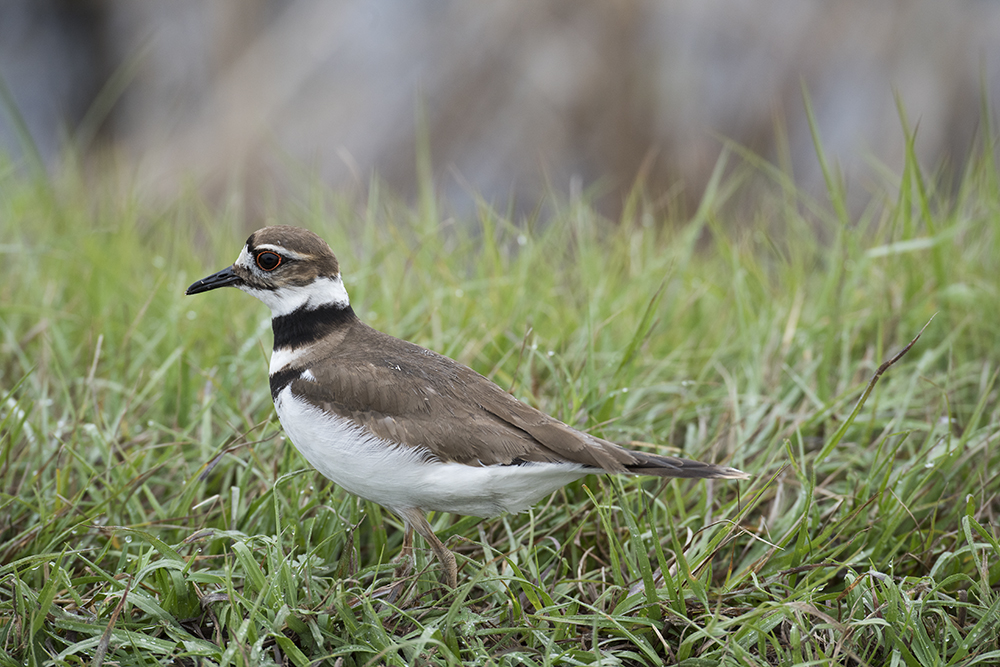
(153, 514)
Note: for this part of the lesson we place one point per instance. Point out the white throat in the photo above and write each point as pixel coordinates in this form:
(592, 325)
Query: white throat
(319, 293)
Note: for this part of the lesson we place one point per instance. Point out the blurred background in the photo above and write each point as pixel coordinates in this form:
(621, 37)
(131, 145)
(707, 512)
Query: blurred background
(514, 99)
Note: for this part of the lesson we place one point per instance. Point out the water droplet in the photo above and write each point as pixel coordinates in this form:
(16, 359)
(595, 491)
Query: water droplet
(128, 539)
(191, 315)
(522, 239)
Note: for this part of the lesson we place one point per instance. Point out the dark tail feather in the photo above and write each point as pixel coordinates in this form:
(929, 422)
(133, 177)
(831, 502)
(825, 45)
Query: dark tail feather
(669, 466)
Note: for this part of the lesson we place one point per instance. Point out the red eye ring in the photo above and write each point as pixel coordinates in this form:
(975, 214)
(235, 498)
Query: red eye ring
(268, 261)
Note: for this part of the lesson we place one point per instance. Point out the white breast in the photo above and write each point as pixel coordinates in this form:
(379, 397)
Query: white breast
(399, 477)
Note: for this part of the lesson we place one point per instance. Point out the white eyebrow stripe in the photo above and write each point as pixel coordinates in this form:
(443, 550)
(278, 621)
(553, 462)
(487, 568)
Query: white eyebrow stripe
(281, 250)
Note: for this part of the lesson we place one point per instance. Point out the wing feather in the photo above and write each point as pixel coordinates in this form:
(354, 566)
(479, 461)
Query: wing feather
(418, 398)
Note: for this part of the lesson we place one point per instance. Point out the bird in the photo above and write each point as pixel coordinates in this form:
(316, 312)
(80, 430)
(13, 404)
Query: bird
(398, 424)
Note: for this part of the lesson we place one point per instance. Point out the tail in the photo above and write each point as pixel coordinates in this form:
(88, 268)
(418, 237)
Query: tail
(669, 466)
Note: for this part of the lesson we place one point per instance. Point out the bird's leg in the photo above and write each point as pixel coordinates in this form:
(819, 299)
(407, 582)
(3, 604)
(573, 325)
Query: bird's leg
(416, 520)
(404, 561)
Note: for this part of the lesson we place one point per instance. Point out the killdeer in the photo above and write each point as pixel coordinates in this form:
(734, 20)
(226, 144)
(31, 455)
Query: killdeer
(398, 424)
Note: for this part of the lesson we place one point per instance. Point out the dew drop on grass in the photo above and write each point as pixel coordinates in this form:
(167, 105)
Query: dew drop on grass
(191, 315)
(624, 390)
(551, 353)
(522, 239)
(128, 539)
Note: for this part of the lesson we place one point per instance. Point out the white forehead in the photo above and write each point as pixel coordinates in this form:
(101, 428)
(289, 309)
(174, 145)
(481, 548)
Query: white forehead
(244, 259)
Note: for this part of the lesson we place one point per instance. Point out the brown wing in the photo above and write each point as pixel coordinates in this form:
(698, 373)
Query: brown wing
(405, 393)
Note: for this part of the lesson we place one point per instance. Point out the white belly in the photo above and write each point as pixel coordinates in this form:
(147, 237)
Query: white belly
(398, 477)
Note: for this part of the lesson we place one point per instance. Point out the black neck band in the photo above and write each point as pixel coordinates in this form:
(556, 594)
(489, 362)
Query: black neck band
(302, 327)
(282, 379)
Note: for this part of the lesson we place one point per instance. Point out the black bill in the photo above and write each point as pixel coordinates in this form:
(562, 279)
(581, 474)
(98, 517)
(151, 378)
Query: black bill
(223, 278)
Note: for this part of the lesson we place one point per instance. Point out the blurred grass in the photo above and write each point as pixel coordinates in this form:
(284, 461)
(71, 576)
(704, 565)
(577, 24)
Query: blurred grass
(153, 514)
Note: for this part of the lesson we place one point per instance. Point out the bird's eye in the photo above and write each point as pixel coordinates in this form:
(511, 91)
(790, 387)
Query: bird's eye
(268, 261)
